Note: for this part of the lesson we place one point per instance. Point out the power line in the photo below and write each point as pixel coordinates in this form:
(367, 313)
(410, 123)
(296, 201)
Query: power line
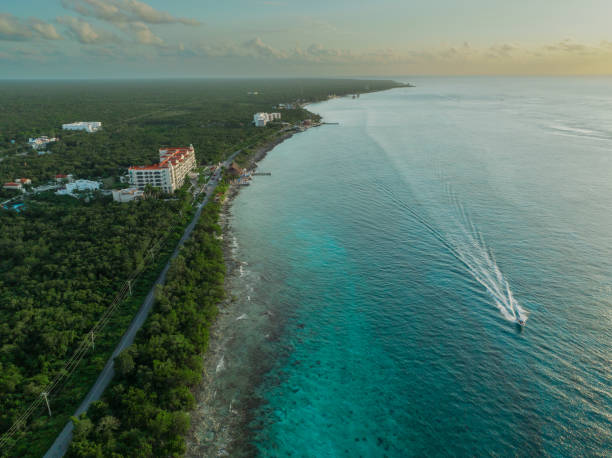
(87, 341)
(73, 362)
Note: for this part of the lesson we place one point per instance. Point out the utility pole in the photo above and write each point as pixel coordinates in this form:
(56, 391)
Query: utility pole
(44, 395)
(130, 286)
(93, 344)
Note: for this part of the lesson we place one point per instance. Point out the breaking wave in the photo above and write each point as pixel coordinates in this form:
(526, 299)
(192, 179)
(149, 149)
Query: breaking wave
(220, 364)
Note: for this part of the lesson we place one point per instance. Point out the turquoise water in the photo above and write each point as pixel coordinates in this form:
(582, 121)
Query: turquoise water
(393, 253)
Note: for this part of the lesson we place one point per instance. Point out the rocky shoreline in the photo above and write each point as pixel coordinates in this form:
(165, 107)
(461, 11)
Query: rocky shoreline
(225, 399)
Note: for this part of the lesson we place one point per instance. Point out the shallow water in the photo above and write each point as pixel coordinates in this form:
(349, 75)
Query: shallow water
(387, 259)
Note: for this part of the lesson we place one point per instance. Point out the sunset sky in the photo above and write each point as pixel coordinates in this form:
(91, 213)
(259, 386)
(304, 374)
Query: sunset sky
(103, 38)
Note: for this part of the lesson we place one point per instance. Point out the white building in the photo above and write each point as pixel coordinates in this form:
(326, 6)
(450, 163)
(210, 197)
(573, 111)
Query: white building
(41, 142)
(79, 185)
(261, 119)
(13, 186)
(127, 195)
(87, 126)
(169, 174)
(61, 178)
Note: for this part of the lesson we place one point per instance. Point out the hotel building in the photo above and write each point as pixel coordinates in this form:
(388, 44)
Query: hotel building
(169, 174)
(41, 142)
(261, 119)
(127, 195)
(87, 126)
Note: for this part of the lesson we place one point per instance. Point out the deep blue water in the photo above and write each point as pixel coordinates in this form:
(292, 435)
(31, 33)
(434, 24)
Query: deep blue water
(394, 252)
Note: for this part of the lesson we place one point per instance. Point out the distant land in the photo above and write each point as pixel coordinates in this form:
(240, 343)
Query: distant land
(65, 259)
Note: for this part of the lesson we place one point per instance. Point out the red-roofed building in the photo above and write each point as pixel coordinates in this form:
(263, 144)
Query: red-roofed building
(169, 174)
(61, 178)
(13, 186)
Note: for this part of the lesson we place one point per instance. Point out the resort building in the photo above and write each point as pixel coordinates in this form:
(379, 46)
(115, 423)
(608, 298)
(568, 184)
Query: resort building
(23, 181)
(169, 174)
(261, 119)
(61, 178)
(87, 126)
(235, 170)
(79, 185)
(41, 142)
(13, 186)
(127, 195)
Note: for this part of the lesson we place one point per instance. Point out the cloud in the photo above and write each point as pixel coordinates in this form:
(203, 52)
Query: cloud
(563, 57)
(148, 14)
(86, 33)
(122, 11)
(568, 46)
(275, 57)
(44, 29)
(502, 51)
(12, 29)
(216, 50)
(258, 48)
(16, 29)
(144, 35)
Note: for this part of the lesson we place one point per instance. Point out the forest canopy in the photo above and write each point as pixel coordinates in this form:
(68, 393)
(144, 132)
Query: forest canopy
(63, 260)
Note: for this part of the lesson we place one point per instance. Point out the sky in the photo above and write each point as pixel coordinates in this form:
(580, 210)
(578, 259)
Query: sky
(252, 38)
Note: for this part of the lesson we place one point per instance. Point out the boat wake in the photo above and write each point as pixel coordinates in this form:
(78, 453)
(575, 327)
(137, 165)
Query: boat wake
(561, 129)
(468, 247)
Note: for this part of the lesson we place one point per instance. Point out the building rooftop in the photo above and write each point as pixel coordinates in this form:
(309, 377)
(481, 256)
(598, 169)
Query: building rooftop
(235, 169)
(166, 156)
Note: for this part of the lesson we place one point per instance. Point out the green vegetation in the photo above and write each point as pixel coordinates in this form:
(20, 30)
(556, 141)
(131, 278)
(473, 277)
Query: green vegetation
(145, 412)
(63, 260)
(139, 116)
(62, 263)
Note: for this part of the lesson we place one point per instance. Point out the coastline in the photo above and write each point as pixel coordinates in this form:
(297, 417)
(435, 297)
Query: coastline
(263, 151)
(241, 348)
(267, 141)
(222, 413)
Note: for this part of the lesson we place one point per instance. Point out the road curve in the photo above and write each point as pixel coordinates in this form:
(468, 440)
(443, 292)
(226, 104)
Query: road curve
(60, 446)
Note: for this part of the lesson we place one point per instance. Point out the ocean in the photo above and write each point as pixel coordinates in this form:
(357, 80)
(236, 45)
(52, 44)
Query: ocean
(379, 272)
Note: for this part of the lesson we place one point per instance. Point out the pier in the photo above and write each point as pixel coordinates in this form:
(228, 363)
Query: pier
(261, 174)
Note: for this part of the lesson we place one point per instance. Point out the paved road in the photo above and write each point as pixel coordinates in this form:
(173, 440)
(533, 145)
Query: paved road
(60, 446)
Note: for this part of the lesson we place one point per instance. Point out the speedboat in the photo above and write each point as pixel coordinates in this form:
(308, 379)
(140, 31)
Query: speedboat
(521, 322)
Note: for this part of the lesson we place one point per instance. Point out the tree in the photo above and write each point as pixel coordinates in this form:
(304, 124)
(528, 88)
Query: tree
(124, 362)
